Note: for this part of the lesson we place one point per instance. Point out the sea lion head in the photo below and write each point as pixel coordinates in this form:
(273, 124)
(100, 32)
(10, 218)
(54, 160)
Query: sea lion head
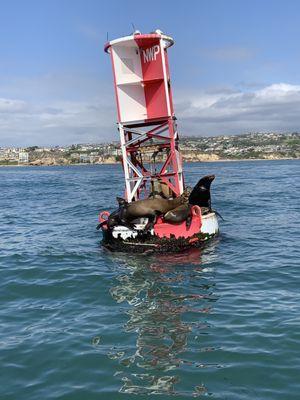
(206, 181)
(122, 202)
(200, 194)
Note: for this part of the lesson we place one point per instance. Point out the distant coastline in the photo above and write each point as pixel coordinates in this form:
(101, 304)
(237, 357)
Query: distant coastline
(251, 146)
(119, 162)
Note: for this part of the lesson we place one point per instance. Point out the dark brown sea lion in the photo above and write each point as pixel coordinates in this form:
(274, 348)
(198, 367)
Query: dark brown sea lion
(179, 214)
(142, 208)
(149, 208)
(159, 189)
(114, 218)
(200, 195)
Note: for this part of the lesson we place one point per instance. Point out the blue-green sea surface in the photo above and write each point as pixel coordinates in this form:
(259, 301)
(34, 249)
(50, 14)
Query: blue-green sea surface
(77, 322)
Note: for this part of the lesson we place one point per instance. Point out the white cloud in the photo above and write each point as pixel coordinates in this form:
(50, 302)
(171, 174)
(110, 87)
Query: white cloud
(56, 109)
(57, 123)
(212, 112)
(274, 107)
(9, 105)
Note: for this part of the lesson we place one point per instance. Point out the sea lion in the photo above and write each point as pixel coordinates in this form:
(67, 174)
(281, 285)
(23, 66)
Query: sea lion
(159, 189)
(115, 218)
(149, 208)
(200, 195)
(179, 214)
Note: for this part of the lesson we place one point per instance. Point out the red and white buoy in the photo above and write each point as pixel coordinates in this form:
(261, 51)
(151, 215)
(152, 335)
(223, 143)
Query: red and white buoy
(147, 128)
(145, 109)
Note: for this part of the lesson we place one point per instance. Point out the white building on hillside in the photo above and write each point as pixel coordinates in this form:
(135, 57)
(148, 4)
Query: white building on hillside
(23, 157)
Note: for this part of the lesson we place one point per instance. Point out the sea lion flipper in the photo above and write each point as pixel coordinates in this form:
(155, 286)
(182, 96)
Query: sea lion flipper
(218, 214)
(101, 224)
(188, 222)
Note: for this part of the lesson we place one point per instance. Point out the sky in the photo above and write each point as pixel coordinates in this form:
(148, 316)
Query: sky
(235, 66)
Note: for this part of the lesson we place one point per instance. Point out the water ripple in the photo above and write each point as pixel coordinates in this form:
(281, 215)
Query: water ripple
(78, 322)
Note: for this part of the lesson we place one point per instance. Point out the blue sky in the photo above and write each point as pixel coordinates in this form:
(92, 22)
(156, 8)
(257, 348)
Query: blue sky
(234, 66)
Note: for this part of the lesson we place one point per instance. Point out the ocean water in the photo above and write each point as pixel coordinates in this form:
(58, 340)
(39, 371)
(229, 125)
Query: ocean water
(77, 322)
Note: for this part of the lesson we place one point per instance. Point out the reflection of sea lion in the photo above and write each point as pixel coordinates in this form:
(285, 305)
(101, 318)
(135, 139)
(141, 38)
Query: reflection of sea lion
(200, 195)
(179, 214)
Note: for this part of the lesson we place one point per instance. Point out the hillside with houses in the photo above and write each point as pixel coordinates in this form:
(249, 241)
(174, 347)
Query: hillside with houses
(266, 146)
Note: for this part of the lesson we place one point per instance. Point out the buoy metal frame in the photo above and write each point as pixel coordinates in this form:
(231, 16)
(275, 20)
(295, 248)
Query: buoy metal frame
(145, 111)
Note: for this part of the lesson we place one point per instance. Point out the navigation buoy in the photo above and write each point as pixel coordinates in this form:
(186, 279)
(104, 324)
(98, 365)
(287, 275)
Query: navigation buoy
(151, 158)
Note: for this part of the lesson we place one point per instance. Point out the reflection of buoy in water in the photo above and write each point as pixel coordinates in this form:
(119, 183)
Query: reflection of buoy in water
(158, 213)
(164, 317)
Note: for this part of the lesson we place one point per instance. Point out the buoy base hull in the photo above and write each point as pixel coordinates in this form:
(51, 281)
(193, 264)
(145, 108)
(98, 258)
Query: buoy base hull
(122, 240)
